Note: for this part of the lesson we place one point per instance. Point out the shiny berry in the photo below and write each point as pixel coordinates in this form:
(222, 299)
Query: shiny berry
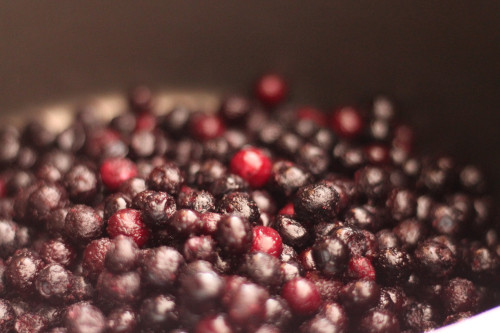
(83, 224)
(166, 178)
(271, 89)
(234, 234)
(84, 318)
(205, 127)
(317, 202)
(331, 256)
(253, 165)
(115, 171)
(359, 296)
(128, 222)
(268, 240)
(379, 321)
(161, 266)
(347, 122)
(302, 296)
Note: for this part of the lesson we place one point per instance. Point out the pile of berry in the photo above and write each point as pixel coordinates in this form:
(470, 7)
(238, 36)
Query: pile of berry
(259, 218)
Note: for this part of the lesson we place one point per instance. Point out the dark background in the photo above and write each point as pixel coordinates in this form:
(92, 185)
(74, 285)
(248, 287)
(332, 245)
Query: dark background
(440, 59)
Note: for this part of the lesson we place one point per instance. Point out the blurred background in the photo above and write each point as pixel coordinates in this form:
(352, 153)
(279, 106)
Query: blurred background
(438, 59)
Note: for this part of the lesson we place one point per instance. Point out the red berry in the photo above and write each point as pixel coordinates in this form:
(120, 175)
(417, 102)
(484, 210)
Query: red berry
(271, 89)
(128, 222)
(3, 189)
(252, 165)
(302, 296)
(313, 114)
(360, 268)
(288, 209)
(205, 127)
(114, 171)
(268, 240)
(145, 121)
(347, 122)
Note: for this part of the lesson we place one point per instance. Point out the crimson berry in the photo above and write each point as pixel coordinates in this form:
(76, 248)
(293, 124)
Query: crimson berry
(268, 240)
(205, 127)
(360, 268)
(271, 89)
(214, 324)
(128, 222)
(145, 121)
(287, 209)
(253, 165)
(347, 122)
(302, 296)
(115, 171)
(312, 114)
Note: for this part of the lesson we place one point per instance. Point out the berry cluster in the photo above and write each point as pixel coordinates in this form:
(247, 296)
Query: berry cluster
(258, 218)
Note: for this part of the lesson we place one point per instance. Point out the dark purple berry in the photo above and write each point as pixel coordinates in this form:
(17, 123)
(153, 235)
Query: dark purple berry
(161, 266)
(167, 178)
(360, 295)
(82, 184)
(302, 296)
(317, 202)
(262, 269)
(291, 231)
(84, 318)
(83, 224)
(379, 321)
(434, 260)
(234, 234)
(239, 203)
(156, 207)
(330, 256)
(200, 285)
(122, 320)
(123, 255)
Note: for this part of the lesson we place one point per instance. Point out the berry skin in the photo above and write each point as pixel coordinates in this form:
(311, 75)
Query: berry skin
(393, 265)
(234, 234)
(247, 304)
(268, 240)
(115, 171)
(241, 204)
(302, 296)
(379, 321)
(359, 296)
(53, 282)
(128, 222)
(161, 266)
(22, 269)
(317, 202)
(331, 256)
(119, 288)
(253, 165)
(214, 324)
(271, 89)
(166, 178)
(460, 295)
(7, 316)
(122, 255)
(83, 224)
(347, 122)
(84, 318)
(201, 286)
(360, 268)
(122, 320)
(94, 256)
(156, 207)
